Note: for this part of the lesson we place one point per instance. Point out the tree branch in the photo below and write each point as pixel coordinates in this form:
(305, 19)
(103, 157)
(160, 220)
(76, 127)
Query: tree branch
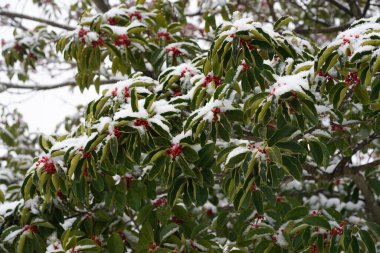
(48, 87)
(41, 20)
(366, 8)
(355, 9)
(102, 5)
(371, 206)
(341, 7)
(332, 29)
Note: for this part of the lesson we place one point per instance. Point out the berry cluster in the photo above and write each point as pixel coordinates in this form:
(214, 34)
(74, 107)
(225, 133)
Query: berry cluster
(352, 79)
(274, 237)
(164, 35)
(112, 21)
(122, 40)
(337, 127)
(30, 228)
(60, 195)
(160, 202)
(243, 41)
(327, 75)
(186, 70)
(123, 236)
(216, 111)
(253, 187)
(211, 78)
(247, 43)
(128, 180)
(82, 32)
(135, 14)
(262, 151)
(97, 43)
(346, 40)
(245, 66)
(259, 217)
(153, 247)
(96, 240)
(49, 166)
(314, 249)
(174, 150)
(18, 47)
(174, 51)
(177, 92)
(142, 122)
(85, 154)
(115, 132)
(176, 220)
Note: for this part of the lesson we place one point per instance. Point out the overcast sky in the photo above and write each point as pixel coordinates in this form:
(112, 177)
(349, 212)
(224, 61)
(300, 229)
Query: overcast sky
(42, 110)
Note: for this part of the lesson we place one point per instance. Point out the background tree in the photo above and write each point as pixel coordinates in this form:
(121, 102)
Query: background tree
(237, 137)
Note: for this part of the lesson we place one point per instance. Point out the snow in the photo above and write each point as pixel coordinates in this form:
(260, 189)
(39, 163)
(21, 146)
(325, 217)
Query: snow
(170, 232)
(4, 207)
(289, 83)
(115, 12)
(33, 204)
(235, 152)
(177, 139)
(121, 30)
(103, 121)
(76, 142)
(68, 223)
(126, 111)
(158, 119)
(11, 236)
(162, 106)
(321, 201)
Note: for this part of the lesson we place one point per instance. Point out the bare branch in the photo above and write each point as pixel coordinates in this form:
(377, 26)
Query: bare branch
(355, 9)
(372, 208)
(102, 5)
(48, 87)
(41, 20)
(322, 30)
(366, 8)
(341, 7)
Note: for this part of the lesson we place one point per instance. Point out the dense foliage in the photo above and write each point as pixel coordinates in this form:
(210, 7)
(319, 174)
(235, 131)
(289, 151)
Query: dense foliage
(260, 141)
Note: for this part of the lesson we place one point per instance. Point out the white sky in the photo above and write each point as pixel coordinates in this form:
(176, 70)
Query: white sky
(42, 110)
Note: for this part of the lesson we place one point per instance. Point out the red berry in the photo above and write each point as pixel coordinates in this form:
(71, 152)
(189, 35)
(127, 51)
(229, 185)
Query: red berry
(174, 150)
(142, 122)
(174, 50)
(122, 40)
(160, 202)
(135, 14)
(211, 78)
(177, 220)
(112, 21)
(164, 35)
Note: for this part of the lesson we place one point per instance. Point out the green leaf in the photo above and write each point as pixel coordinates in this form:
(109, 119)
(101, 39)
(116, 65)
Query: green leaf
(2, 196)
(134, 101)
(258, 201)
(190, 154)
(167, 231)
(114, 147)
(283, 21)
(317, 221)
(374, 227)
(296, 213)
(115, 243)
(367, 239)
(282, 133)
(316, 152)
